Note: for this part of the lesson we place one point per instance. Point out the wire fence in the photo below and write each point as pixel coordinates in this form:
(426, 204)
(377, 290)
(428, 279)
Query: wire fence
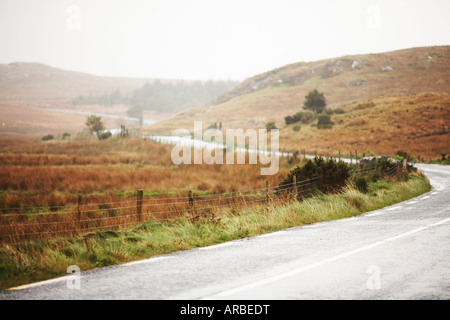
(21, 223)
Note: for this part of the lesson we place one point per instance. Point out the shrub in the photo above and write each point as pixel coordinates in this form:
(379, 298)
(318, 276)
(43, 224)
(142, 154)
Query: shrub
(306, 117)
(289, 120)
(361, 184)
(302, 116)
(324, 122)
(48, 137)
(271, 125)
(326, 176)
(296, 128)
(105, 135)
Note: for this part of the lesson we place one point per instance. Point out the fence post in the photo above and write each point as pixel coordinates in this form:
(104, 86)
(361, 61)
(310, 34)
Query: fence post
(79, 212)
(140, 194)
(351, 160)
(339, 156)
(191, 198)
(267, 191)
(295, 187)
(233, 196)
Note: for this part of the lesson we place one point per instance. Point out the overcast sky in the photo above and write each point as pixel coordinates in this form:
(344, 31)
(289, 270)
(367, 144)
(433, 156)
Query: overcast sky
(210, 39)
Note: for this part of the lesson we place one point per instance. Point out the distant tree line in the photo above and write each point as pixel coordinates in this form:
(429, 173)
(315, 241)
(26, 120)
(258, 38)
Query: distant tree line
(158, 96)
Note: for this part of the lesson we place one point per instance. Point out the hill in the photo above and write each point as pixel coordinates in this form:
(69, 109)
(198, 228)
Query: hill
(416, 124)
(275, 94)
(30, 94)
(40, 83)
(406, 91)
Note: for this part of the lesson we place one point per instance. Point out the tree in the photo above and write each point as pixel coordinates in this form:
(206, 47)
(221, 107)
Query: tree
(315, 101)
(271, 126)
(95, 125)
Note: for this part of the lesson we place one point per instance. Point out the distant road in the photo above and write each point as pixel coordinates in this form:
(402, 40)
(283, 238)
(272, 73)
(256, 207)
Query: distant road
(399, 252)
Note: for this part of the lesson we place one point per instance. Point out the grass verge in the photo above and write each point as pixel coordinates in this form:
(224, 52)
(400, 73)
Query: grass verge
(35, 260)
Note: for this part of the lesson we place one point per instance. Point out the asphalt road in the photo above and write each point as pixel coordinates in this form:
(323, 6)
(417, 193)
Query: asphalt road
(398, 252)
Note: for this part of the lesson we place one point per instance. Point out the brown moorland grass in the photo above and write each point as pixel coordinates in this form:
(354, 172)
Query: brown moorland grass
(40, 183)
(418, 124)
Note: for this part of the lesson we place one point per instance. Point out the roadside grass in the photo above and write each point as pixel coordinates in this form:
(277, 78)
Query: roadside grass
(36, 260)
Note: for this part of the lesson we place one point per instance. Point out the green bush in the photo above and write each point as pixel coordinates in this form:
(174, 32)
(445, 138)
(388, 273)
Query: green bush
(361, 184)
(302, 116)
(324, 122)
(296, 128)
(48, 137)
(289, 120)
(319, 174)
(271, 126)
(105, 135)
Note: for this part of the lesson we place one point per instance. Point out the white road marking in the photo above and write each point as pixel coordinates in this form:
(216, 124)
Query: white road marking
(377, 213)
(402, 235)
(142, 261)
(55, 280)
(384, 211)
(412, 202)
(320, 263)
(36, 284)
(215, 246)
(426, 197)
(271, 234)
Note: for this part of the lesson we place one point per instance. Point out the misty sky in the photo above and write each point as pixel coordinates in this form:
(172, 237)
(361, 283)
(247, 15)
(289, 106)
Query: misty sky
(210, 39)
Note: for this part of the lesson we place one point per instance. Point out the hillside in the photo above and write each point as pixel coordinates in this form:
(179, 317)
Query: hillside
(418, 124)
(39, 83)
(28, 90)
(275, 94)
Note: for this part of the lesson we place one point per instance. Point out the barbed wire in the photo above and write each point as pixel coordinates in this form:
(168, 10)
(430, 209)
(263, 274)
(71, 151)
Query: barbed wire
(152, 212)
(225, 195)
(226, 199)
(110, 226)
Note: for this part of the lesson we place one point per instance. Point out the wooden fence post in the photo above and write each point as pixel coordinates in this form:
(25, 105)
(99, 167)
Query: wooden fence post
(295, 187)
(191, 198)
(233, 196)
(140, 194)
(267, 191)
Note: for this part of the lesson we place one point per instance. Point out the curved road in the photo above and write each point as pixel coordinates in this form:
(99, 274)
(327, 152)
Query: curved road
(398, 252)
